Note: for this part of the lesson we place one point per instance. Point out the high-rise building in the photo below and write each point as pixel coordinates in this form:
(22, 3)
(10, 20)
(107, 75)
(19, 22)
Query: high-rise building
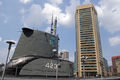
(116, 64)
(88, 42)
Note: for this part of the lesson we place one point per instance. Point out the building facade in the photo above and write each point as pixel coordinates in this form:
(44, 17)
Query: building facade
(110, 71)
(88, 42)
(106, 70)
(64, 55)
(116, 64)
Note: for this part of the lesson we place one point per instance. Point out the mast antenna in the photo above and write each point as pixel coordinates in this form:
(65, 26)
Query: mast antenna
(52, 24)
(55, 26)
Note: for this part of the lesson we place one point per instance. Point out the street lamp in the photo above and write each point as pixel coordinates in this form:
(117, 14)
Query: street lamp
(9, 47)
(54, 51)
(84, 58)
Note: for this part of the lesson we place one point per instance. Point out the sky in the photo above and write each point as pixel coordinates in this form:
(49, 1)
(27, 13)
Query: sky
(36, 14)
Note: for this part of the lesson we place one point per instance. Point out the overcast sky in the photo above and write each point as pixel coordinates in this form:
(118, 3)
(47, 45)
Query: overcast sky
(36, 14)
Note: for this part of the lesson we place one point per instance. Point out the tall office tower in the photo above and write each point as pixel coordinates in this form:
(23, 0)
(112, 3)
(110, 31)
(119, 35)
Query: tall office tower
(88, 44)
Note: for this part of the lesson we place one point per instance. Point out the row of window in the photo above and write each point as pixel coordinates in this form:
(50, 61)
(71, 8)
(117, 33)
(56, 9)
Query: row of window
(86, 37)
(83, 34)
(92, 57)
(85, 30)
(87, 50)
(90, 69)
(89, 66)
(88, 47)
(88, 63)
(87, 41)
(86, 27)
(89, 29)
(83, 11)
(88, 55)
(85, 15)
(86, 33)
(85, 18)
(91, 60)
(85, 22)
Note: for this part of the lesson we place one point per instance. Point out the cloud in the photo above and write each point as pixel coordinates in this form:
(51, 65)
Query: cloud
(33, 16)
(109, 62)
(0, 3)
(3, 54)
(87, 1)
(48, 29)
(0, 38)
(70, 13)
(25, 1)
(13, 48)
(3, 18)
(114, 40)
(36, 15)
(71, 58)
(109, 14)
(56, 2)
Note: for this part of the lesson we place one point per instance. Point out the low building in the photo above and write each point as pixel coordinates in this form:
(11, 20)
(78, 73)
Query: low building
(116, 64)
(64, 54)
(110, 71)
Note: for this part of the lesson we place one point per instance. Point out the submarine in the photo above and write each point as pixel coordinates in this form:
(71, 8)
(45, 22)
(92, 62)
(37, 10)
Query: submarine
(36, 54)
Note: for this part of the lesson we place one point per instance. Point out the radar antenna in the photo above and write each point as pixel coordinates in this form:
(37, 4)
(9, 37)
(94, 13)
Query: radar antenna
(55, 26)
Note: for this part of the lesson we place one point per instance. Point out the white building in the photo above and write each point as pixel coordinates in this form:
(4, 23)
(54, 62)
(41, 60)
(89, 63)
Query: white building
(64, 54)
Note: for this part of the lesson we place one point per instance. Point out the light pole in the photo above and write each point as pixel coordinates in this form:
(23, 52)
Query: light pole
(54, 51)
(9, 47)
(84, 58)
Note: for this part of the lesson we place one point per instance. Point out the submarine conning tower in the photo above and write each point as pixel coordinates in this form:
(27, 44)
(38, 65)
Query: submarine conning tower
(34, 56)
(37, 43)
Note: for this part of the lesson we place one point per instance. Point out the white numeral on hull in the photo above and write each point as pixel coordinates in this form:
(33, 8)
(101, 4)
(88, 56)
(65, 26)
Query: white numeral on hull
(51, 65)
